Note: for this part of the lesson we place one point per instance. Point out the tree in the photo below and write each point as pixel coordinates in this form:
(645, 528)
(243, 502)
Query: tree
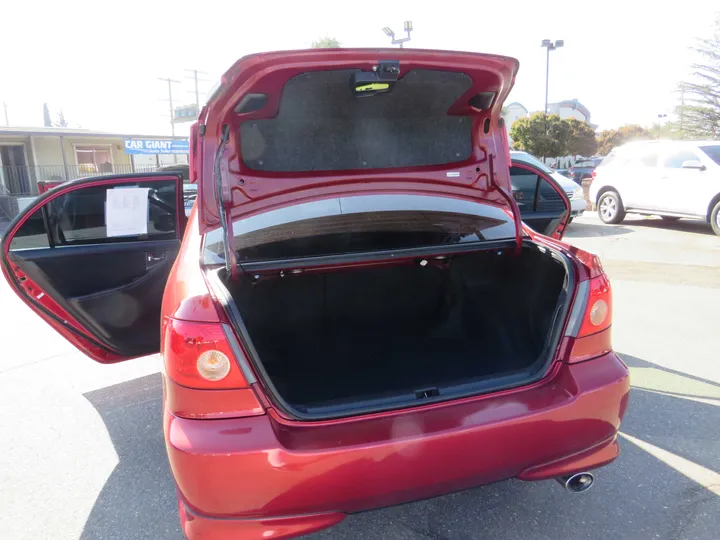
(47, 122)
(60, 120)
(609, 139)
(545, 135)
(700, 107)
(582, 140)
(326, 43)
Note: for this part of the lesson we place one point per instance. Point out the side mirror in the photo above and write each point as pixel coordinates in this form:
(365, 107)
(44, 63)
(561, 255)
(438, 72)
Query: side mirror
(693, 164)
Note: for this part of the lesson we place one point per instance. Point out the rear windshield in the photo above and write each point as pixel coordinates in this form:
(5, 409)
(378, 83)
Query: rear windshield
(322, 126)
(713, 152)
(361, 224)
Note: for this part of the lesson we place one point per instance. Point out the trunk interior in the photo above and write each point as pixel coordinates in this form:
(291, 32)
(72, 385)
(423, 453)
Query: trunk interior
(332, 342)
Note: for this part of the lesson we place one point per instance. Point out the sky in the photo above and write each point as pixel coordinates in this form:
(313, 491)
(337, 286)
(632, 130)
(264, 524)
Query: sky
(100, 61)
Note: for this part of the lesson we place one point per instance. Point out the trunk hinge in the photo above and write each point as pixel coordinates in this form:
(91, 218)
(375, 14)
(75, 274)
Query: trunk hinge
(223, 193)
(511, 202)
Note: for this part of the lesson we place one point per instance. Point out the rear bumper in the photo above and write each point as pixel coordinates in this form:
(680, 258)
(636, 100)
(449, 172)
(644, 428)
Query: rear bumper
(246, 477)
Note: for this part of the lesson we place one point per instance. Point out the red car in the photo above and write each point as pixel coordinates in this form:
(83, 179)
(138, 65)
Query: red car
(353, 315)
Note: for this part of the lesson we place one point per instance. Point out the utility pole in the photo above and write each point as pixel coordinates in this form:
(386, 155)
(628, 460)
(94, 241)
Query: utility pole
(170, 104)
(7, 122)
(196, 79)
(170, 100)
(550, 46)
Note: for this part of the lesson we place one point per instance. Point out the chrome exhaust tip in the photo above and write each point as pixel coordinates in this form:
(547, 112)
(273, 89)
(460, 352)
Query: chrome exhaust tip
(577, 483)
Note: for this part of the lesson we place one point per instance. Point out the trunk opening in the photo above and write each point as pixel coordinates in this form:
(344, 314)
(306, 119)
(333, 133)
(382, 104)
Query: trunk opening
(337, 342)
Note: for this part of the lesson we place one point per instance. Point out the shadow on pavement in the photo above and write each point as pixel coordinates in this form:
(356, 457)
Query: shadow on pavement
(583, 229)
(138, 499)
(682, 225)
(638, 496)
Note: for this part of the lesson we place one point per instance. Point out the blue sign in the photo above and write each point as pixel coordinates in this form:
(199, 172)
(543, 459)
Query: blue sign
(156, 146)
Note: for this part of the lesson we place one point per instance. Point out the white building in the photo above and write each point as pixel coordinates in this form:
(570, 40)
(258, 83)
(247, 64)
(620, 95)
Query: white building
(571, 108)
(512, 112)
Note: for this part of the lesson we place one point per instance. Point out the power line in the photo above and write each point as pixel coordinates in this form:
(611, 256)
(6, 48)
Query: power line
(196, 79)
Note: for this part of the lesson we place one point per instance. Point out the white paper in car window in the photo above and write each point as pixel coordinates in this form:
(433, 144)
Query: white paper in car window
(126, 211)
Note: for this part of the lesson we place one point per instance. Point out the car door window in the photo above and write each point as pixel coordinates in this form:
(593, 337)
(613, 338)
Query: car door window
(676, 159)
(533, 193)
(524, 185)
(649, 159)
(79, 217)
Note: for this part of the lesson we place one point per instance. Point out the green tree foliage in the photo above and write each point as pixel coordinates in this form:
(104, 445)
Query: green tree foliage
(326, 43)
(551, 136)
(541, 134)
(582, 140)
(609, 139)
(60, 121)
(700, 110)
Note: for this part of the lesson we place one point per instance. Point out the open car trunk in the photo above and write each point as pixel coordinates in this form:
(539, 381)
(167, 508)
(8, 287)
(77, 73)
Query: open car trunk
(336, 342)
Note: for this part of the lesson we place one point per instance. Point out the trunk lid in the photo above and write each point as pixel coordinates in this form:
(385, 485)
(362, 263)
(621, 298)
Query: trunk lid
(293, 126)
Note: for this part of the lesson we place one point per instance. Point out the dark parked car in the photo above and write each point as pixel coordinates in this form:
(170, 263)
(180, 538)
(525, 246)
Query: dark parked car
(354, 315)
(584, 168)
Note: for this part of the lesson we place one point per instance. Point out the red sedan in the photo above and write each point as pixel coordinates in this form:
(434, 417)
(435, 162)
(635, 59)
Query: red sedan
(353, 315)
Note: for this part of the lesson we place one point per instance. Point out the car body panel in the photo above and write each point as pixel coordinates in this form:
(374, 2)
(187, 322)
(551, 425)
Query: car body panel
(356, 464)
(247, 191)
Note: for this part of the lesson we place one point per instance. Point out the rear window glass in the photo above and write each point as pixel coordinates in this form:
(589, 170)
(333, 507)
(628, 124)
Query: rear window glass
(361, 224)
(322, 126)
(713, 152)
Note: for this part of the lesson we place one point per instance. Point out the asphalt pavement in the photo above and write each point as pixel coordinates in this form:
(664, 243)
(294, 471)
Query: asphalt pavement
(83, 455)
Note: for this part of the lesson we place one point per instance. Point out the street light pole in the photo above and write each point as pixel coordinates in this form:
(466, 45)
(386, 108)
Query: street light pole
(550, 46)
(399, 41)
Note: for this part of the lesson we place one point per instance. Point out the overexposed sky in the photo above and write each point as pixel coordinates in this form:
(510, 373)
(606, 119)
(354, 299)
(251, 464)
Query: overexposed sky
(99, 61)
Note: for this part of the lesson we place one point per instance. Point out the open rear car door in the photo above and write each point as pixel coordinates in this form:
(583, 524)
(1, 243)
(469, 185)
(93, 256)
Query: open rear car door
(92, 257)
(543, 204)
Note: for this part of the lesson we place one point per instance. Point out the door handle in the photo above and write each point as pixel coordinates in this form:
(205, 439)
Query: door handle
(151, 259)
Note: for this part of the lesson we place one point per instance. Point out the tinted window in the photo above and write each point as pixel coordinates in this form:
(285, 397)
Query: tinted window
(676, 159)
(32, 234)
(361, 224)
(78, 217)
(525, 184)
(713, 152)
(549, 200)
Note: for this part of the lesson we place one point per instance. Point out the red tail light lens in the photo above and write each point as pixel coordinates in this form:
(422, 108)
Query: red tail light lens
(206, 372)
(592, 337)
(197, 355)
(594, 174)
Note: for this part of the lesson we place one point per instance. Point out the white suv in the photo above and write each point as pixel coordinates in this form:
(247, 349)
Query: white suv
(672, 179)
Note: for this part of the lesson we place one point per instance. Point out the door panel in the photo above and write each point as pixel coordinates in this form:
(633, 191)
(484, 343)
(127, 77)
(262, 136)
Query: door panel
(101, 291)
(679, 189)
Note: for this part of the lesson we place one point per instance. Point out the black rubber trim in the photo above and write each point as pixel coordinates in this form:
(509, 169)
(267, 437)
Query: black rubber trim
(375, 256)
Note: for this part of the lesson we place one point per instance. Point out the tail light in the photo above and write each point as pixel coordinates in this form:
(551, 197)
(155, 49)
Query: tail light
(591, 319)
(594, 174)
(207, 373)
